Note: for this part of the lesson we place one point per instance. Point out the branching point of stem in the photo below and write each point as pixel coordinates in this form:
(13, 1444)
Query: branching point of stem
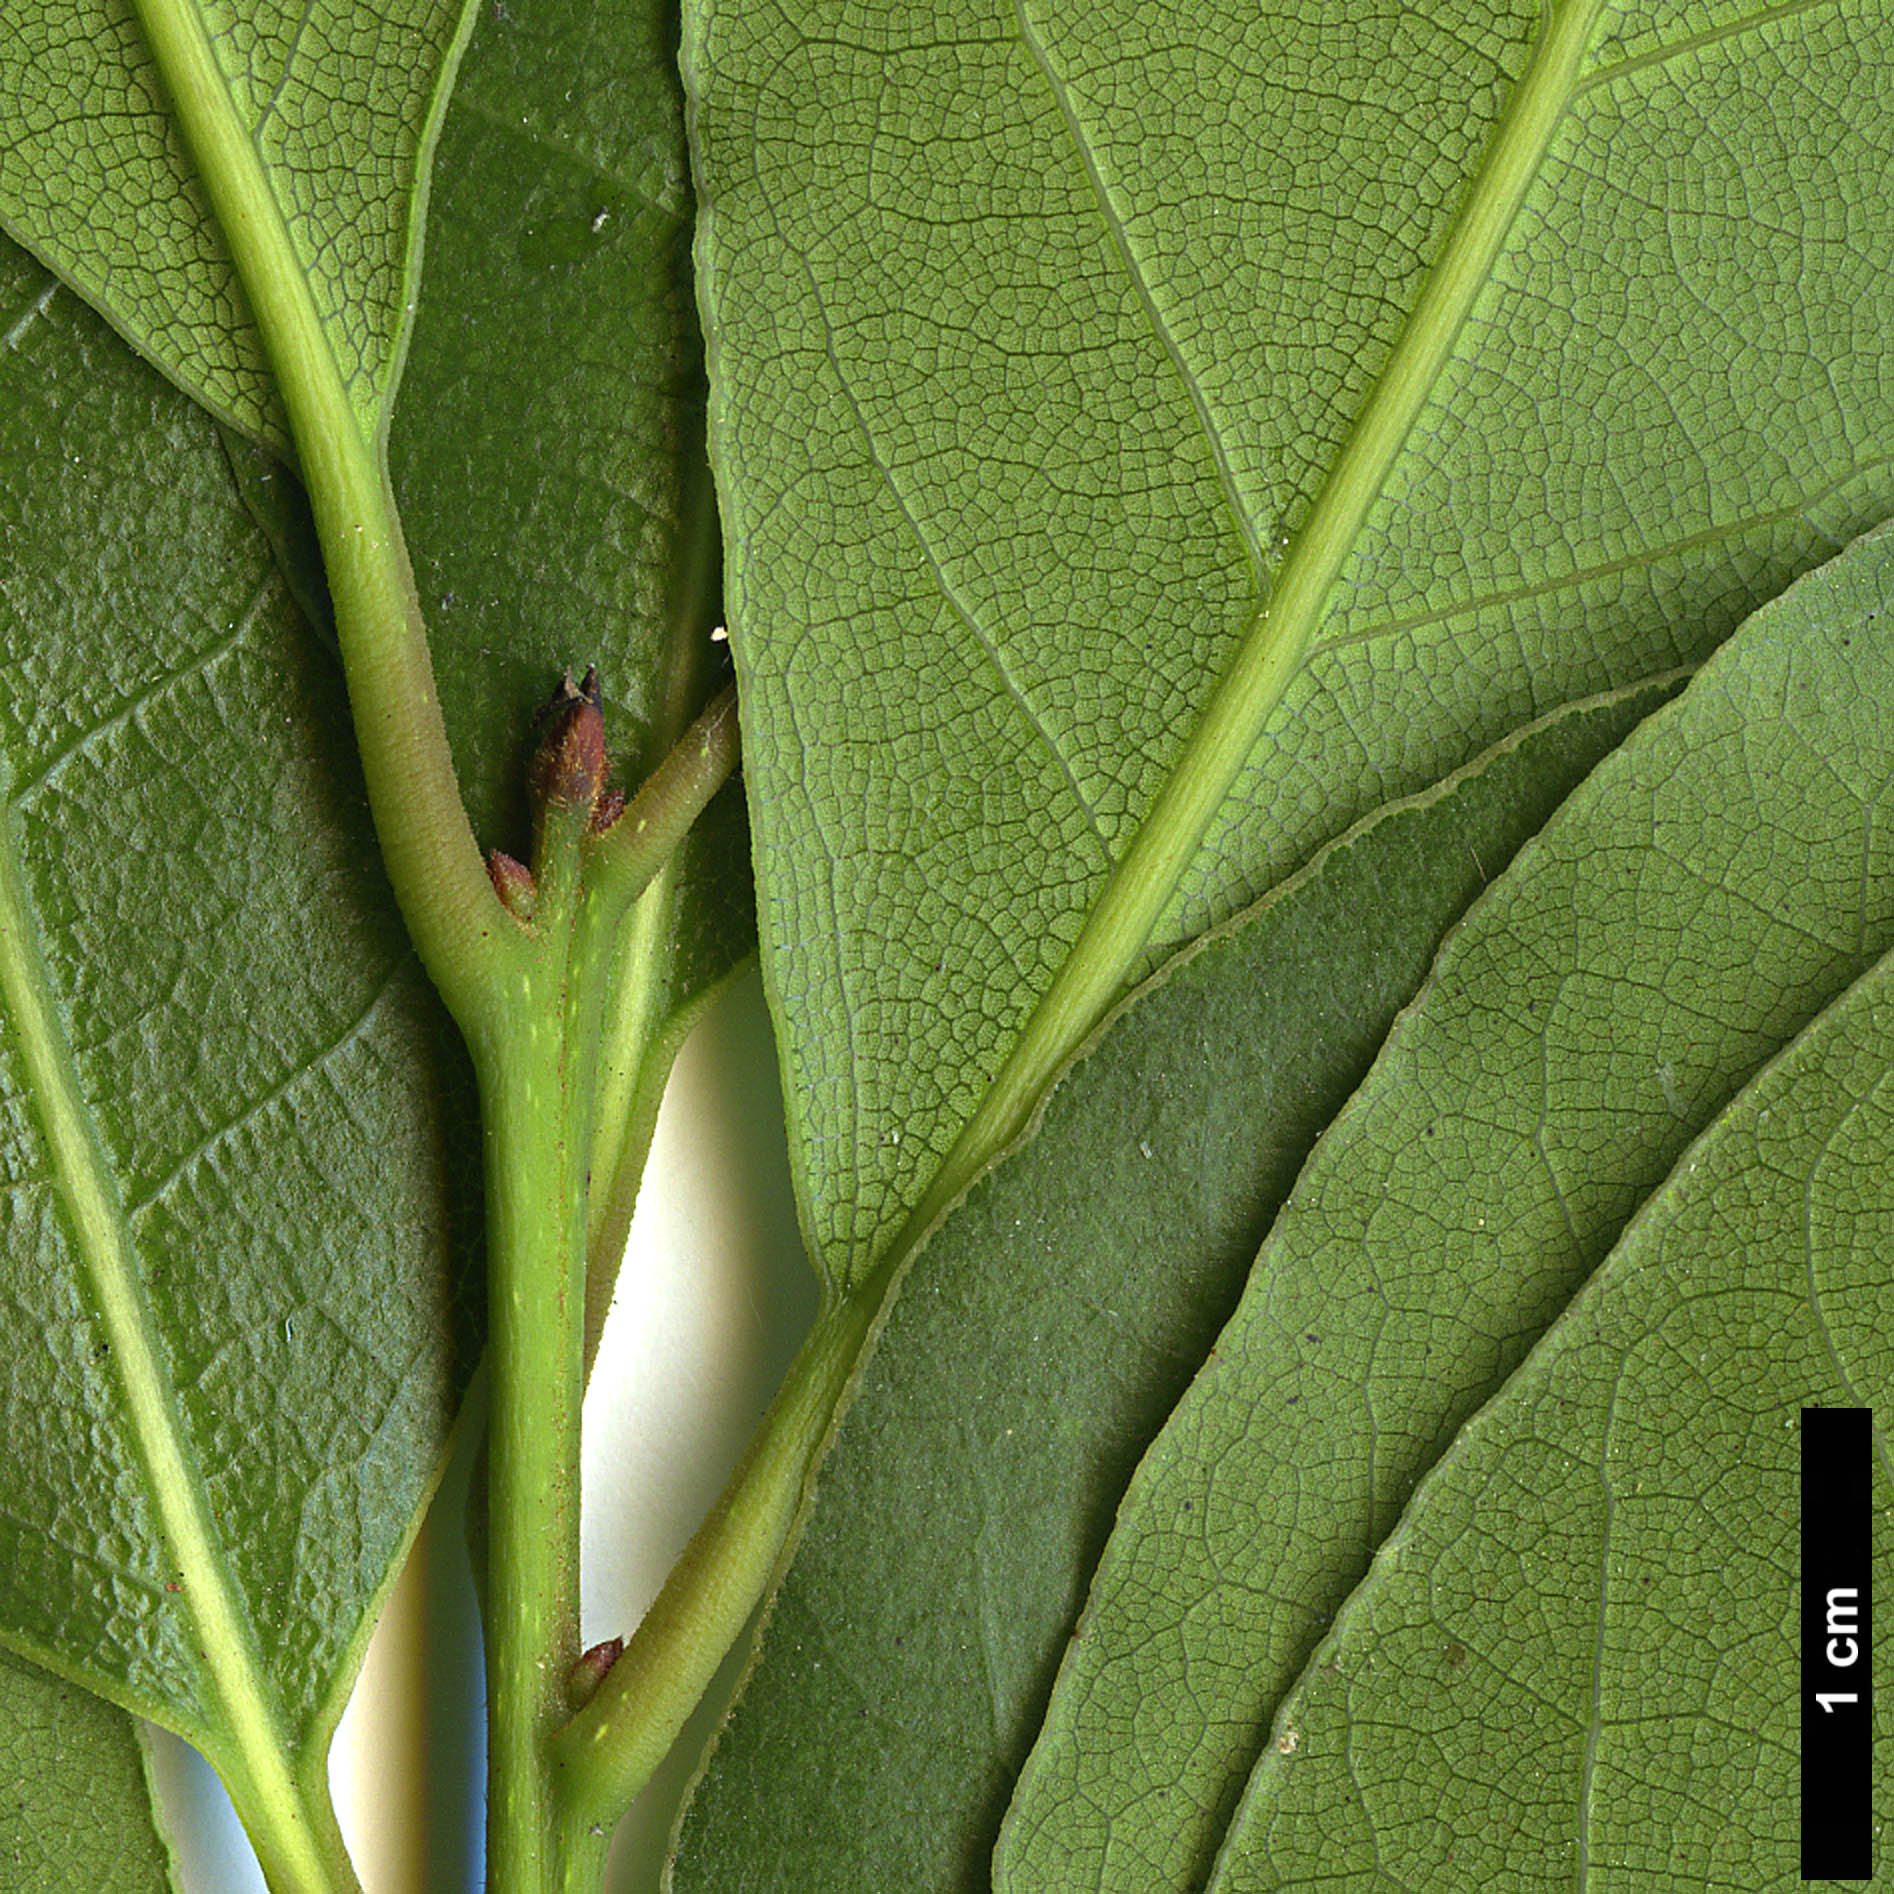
(520, 957)
(427, 843)
(606, 1753)
(646, 834)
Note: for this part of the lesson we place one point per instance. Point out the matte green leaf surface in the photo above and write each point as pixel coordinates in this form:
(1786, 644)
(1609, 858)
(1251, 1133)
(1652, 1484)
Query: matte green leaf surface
(547, 448)
(340, 105)
(1049, 344)
(225, 1135)
(76, 1811)
(548, 457)
(1048, 1329)
(1709, 889)
(1575, 1661)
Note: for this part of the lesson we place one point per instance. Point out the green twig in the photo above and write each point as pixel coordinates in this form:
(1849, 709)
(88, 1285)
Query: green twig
(535, 1121)
(520, 957)
(660, 815)
(538, 1090)
(616, 1180)
(607, 1752)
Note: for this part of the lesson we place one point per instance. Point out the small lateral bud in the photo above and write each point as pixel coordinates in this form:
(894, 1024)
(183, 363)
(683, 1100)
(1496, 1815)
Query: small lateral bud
(513, 883)
(583, 1680)
(611, 806)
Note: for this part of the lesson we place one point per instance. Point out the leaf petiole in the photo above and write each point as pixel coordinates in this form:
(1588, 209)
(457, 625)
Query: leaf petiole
(426, 840)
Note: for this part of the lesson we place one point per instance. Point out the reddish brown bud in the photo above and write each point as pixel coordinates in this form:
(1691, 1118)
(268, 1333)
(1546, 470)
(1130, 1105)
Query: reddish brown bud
(583, 1680)
(611, 806)
(569, 770)
(513, 883)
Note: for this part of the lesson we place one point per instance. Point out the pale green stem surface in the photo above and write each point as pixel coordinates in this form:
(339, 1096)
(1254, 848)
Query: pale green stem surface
(656, 820)
(631, 1018)
(535, 1112)
(614, 1192)
(631, 875)
(530, 1006)
(606, 1754)
(470, 946)
(636, 1047)
(630, 1044)
(539, 1083)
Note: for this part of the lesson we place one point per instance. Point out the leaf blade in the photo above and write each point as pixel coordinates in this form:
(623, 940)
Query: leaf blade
(974, 1481)
(181, 823)
(1599, 1007)
(108, 198)
(219, 1627)
(1676, 1492)
(201, 1085)
(80, 1810)
(969, 489)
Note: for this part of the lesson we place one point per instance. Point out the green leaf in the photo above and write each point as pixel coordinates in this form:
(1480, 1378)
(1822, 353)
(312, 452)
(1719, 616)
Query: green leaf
(1049, 348)
(77, 1812)
(229, 1245)
(1709, 889)
(340, 108)
(914, 1641)
(547, 449)
(1574, 1659)
(548, 454)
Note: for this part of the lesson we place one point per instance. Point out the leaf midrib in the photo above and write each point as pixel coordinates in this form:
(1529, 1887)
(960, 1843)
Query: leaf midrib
(225, 1644)
(1276, 642)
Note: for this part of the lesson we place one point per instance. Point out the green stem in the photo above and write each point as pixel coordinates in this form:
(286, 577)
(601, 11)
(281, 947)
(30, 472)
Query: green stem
(293, 1829)
(636, 1047)
(632, 874)
(614, 1194)
(529, 1002)
(607, 1752)
(536, 1087)
(622, 1124)
(646, 836)
(426, 841)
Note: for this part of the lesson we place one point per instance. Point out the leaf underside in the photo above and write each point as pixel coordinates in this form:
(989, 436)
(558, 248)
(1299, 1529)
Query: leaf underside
(1651, 1443)
(914, 1643)
(253, 1059)
(78, 1810)
(1693, 906)
(1442, 1226)
(341, 104)
(1034, 345)
(1034, 339)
